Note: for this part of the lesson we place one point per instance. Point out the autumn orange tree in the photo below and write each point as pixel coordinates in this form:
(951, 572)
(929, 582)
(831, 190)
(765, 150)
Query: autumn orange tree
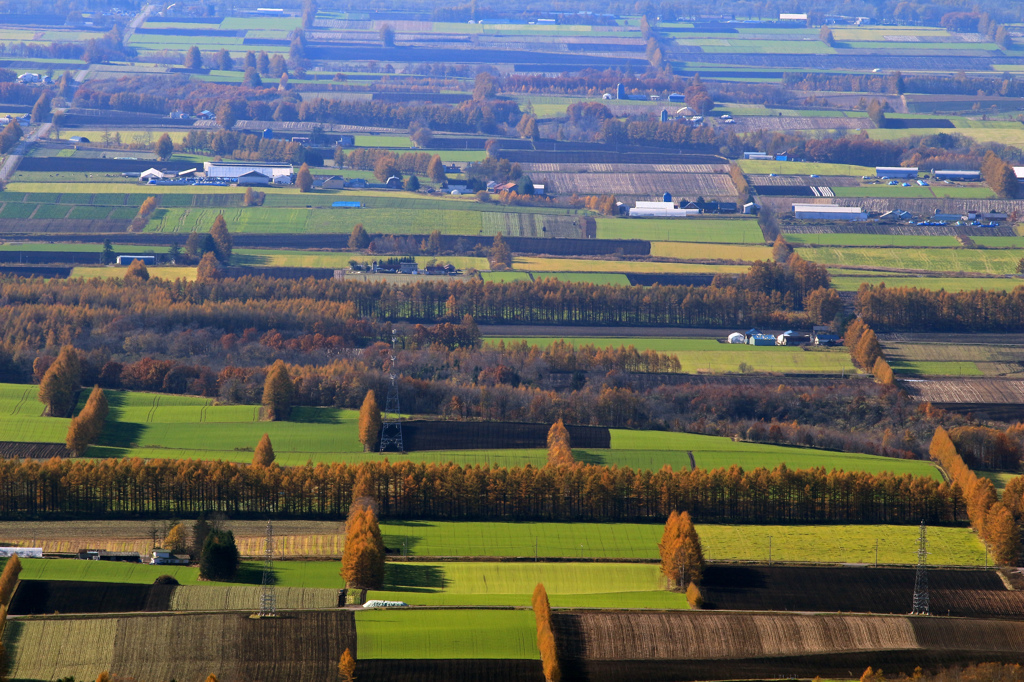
(278, 391)
(60, 383)
(545, 635)
(209, 268)
(347, 666)
(362, 559)
(369, 422)
(992, 519)
(221, 239)
(175, 539)
(9, 579)
(559, 449)
(682, 557)
(86, 426)
(263, 456)
(136, 272)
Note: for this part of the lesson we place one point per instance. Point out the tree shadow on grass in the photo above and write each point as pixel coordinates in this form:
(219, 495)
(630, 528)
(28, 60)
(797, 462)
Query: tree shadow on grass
(251, 573)
(121, 434)
(314, 415)
(403, 577)
(588, 457)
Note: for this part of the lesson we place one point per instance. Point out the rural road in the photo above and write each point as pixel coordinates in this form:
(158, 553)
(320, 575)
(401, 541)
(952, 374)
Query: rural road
(10, 164)
(138, 20)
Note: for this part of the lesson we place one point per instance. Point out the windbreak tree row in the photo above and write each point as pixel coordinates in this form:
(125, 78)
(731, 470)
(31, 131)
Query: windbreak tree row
(578, 492)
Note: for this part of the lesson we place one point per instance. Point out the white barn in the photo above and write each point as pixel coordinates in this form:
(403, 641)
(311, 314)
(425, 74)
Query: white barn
(278, 173)
(661, 209)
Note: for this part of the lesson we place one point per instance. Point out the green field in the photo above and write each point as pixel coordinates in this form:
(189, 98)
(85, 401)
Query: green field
(628, 585)
(585, 277)
(915, 191)
(447, 634)
(876, 240)
(714, 230)
(22, 420)
(801, 168)
(926, 368)
(548, 264)
(852, 282)
(708, 355)
(998, 478)
(168, 272)
(990, 262)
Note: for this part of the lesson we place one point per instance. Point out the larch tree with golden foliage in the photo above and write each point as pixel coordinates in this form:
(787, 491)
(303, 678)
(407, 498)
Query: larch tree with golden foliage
(369, 422)
(347, 666)
(9, 578)
(86, 426)
(136, 272)
(277, 393)
(545, 635)
(559, 448)
(263, 456)
(176, 541)
(60, 383)
(362, 560)
(221, 239)
(682, 557)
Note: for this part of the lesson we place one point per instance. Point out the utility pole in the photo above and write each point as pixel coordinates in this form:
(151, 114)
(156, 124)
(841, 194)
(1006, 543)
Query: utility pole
(268, 600)
(921, 581)
(391, 421)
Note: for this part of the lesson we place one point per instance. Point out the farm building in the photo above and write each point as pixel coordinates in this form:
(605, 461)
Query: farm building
(660, 209)
(167, 557)
(253, 179)
(23, 552)
(792, 338)
(78, 139)
(152, 174)
(334, 182)
(737, 337)
(759, 156)
(966, 175)
(126, 260)
(347, 204)
(895, 172)
(828, 212)
(759, 339)
(277, 173)
(826, 340)
(104, 555)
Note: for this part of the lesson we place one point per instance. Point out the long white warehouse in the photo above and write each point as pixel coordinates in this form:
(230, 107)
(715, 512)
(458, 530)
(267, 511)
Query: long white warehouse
(828, 212)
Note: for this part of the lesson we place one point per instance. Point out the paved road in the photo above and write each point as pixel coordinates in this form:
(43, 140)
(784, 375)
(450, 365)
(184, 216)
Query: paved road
(10, 164)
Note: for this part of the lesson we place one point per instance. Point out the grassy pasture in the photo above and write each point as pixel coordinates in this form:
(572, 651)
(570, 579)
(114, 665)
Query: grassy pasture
(451, 634)
(510, 276)
(915, 191)
(689, 251)
(543, 264)
(925, 368)
(847, 282)
(511, 584)
(989, 262)
(803, 168)
(586, 277)
(724, 230)
(708, 355)
(116, 271)
(925, 241)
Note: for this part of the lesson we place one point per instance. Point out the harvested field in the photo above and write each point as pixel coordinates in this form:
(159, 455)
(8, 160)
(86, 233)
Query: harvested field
(304, 645)
(9, 450)
(68, 596)
(609, 157)
(965, 593)
(614, 646)
(624, 168)
(787, 123)
(968, 390)
(247, 598)
(803, 181)
(643, 184)
(537, 225)
(894, 229)
(988, 360)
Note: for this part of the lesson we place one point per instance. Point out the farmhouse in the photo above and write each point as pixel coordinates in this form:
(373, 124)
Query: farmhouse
(126, 260)
(828, 212)
(895, 172)
(661, 209)
(966, 175)
(276, 173)
(167, 557)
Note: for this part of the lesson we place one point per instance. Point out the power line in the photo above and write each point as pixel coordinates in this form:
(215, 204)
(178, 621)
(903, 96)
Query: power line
(268, 600)
(391, 420)
(921, 581)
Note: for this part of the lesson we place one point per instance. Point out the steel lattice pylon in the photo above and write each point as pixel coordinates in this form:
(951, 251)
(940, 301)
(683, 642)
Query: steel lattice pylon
(391, 420)
(268, 600)
(921, 581)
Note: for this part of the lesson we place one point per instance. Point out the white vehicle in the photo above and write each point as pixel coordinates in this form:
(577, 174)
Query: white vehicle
(381, 604)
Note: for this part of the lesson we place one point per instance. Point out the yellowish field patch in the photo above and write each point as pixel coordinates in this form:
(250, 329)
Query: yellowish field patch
(691, 251)
(536, 264)
(111, 272)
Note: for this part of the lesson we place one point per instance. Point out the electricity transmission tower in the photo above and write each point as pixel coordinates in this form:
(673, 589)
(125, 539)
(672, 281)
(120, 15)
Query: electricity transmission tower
(921, 581)
(391, 420)
(268, 600)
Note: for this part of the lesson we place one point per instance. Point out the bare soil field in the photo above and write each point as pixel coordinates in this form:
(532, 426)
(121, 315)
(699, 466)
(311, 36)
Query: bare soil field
(444, 435)
(802, 181)
(68, 596)
(12, 450)
(890, 229)
(693, 645)
(624, 168)
(991, 360)
(785, 123)
(974, 594)
(968, 390)
(474, 670)
(298, 646)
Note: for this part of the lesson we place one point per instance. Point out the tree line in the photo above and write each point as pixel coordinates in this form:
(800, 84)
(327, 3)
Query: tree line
(409, 490)
(905, 309)
(992, 519)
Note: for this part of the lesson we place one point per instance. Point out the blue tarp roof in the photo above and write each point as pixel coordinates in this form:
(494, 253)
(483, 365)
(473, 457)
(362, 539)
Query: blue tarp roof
(347, 204)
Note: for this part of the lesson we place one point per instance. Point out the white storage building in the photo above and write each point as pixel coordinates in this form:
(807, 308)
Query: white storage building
(661, 209)
(279, 173)
(828, 212)
(895, 172)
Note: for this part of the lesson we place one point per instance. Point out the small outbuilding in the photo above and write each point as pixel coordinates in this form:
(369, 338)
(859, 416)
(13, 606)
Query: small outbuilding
(737, 337)
(760, 339)
(127, 260)
(895, 172)
(166, 557)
